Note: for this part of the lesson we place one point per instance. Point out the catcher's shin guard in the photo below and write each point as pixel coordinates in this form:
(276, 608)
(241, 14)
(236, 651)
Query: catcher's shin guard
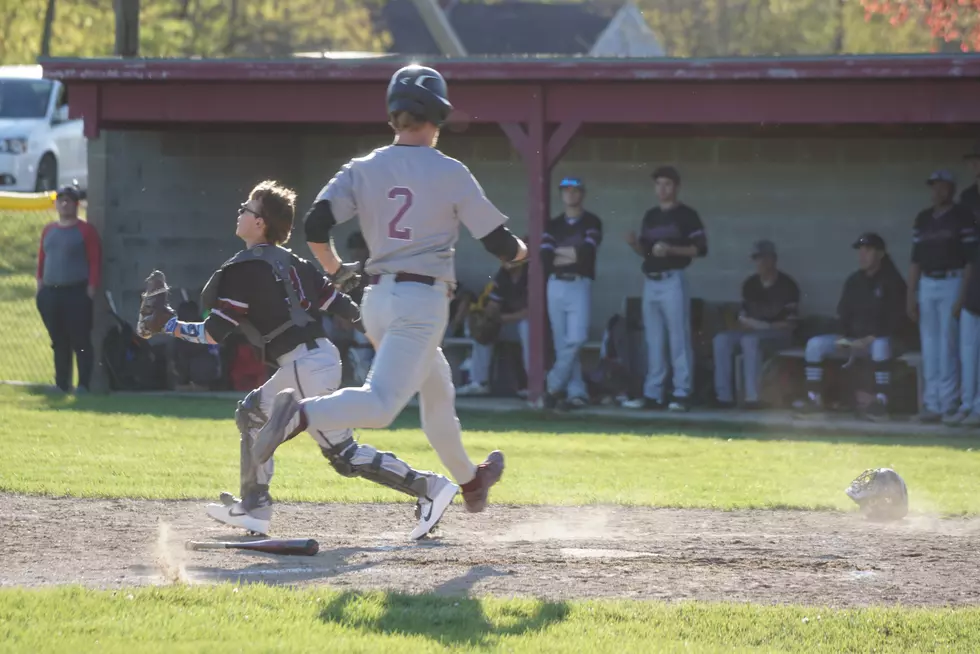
(352, 459)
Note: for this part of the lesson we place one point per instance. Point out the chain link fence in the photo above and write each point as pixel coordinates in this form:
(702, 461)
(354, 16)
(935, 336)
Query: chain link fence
(27, 355)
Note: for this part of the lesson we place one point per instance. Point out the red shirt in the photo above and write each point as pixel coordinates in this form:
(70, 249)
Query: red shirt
(69, 254)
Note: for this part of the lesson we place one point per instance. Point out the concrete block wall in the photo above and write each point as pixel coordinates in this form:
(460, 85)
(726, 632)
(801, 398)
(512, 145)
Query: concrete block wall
(168, 200)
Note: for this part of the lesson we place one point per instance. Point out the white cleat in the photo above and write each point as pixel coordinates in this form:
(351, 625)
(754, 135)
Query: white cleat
(430, 509)
(473, 389)
(256, 521)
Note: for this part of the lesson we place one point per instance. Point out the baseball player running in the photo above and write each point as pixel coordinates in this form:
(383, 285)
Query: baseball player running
(409, 199)
(274, 298)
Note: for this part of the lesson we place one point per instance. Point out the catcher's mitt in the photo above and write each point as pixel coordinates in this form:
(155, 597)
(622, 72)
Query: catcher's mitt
(155, 310)
(484, 326)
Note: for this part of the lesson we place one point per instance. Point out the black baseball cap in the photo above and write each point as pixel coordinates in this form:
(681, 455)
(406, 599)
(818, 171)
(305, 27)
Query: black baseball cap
(69, 191)
(941, 176)
(667, 172)
(871, 240)
(763, 248)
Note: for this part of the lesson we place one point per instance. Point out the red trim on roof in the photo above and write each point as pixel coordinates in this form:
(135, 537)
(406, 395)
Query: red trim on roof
(524, 69)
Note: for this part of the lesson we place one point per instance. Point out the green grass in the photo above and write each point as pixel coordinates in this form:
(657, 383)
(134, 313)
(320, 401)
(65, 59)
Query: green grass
(263, 618)
(27, 349)
(168, 447)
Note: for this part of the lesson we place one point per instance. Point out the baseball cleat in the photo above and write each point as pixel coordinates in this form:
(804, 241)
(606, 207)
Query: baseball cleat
(488, 473)
(273, 433)
(431, 508)
(256, 520)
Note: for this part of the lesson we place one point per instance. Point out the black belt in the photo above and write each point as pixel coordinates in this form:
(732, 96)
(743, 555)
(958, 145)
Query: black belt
(942, 274)
(567, 277)
(657, 276)
(405, 277)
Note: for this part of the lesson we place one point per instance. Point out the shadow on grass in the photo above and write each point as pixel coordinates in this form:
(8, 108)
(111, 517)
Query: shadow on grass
(447, 616)
(526, 421)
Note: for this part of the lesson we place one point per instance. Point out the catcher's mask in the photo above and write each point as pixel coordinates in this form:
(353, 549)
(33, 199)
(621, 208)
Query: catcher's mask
(881, 494)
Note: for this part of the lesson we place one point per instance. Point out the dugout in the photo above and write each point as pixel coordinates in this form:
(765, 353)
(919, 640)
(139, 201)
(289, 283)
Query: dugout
(807, 152)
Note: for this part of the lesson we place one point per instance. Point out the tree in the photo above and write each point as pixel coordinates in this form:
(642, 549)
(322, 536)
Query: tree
(48, 27)
(191, 28)
(953, 21)
(720, 28)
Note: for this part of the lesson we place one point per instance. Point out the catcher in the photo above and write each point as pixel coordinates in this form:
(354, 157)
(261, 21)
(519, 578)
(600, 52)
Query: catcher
(274, 298)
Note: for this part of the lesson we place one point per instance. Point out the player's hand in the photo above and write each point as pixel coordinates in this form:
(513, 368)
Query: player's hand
(912, 309)
(631, 238)
(957, 308)
(91, 292)
(346, 278)
(660, 249)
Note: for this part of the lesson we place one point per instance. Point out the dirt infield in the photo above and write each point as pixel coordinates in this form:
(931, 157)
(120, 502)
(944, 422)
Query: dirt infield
(552, 552)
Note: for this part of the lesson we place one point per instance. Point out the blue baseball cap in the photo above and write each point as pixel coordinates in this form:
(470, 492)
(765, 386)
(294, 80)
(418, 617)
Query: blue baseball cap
(571, 182)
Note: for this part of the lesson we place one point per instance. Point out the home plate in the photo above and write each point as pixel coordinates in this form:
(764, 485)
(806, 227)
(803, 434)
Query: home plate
(591, 553)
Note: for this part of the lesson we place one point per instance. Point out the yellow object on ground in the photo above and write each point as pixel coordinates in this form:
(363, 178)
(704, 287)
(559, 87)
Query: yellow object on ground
(26, 201)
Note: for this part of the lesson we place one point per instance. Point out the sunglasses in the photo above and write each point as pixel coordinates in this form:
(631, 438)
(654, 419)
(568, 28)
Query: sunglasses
(243, 208)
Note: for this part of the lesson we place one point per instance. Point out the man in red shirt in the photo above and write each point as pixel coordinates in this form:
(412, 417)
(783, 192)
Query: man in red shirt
(69, 269)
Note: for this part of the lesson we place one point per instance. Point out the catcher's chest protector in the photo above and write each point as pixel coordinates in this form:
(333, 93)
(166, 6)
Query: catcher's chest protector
(280, 260)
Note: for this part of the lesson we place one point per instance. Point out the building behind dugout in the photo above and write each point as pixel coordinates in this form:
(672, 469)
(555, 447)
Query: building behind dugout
(808, 153)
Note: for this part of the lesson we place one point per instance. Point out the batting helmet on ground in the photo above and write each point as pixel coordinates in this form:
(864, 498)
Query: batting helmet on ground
(420, 91)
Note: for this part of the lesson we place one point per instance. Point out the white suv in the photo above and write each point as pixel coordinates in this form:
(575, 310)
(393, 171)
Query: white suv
(40, 147)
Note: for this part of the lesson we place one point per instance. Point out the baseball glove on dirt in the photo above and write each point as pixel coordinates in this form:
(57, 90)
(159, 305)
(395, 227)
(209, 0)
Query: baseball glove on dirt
(484, 326)
(155, 309)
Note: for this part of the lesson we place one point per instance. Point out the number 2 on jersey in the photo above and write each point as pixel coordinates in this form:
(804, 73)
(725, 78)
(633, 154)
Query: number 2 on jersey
(404, 233)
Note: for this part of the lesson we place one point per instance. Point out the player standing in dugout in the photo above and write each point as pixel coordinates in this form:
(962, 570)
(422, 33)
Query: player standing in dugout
(671, 237)
(410, 200)
(569, 248)
(274, 298)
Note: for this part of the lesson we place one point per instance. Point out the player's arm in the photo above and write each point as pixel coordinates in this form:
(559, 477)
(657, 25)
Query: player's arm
(695, 233)
(915, 272)
(231, 307)
(968, 243)
(547, 251)
(485, 222)
(334, 302)
(789, 316)
(335, 204)
(586, 253)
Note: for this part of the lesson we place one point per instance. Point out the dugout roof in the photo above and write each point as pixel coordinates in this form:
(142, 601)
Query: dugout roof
(913, 89)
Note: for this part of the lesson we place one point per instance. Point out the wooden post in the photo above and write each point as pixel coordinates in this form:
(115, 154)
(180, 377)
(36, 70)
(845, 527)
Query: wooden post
(127, 27)
(538, 177)
(540, 154)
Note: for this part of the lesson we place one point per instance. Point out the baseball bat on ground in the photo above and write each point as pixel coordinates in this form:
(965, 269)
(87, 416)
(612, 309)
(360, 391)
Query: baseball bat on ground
(295, 546)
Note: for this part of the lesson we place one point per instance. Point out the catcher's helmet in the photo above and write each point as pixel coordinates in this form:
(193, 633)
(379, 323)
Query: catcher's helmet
(881, 494)
(422, 92)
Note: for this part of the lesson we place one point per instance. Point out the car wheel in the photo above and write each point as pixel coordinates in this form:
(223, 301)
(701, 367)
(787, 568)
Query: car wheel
(47, 174)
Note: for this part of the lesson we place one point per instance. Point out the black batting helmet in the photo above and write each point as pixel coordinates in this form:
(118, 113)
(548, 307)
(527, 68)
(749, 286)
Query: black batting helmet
(420, 91)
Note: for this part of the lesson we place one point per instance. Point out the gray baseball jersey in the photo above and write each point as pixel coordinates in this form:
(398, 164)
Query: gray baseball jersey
(410, 202)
